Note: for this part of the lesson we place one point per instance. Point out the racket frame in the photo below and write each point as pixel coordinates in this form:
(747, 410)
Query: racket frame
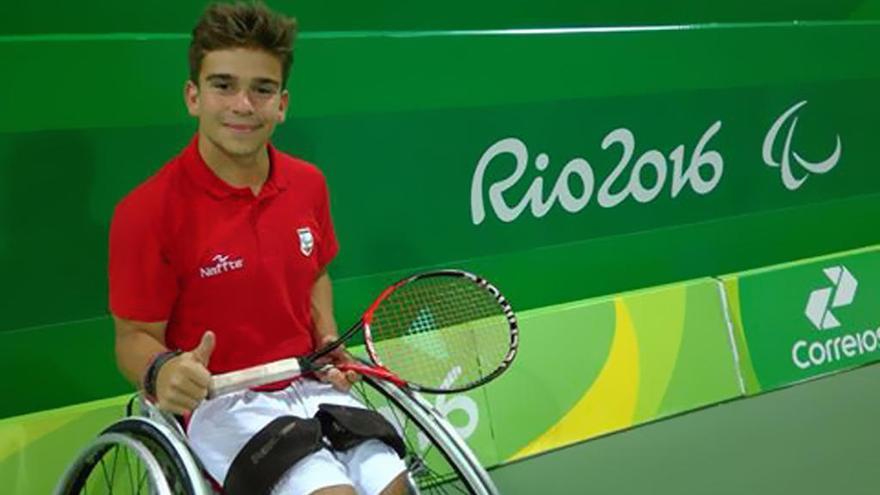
(292, 368)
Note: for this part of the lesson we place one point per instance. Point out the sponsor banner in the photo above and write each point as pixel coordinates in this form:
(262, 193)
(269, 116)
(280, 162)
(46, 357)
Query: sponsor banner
(527, 176)
(806, 319)
(596, 367)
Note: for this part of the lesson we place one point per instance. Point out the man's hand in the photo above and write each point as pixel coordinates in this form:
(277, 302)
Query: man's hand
(341, 380)
(182, 382)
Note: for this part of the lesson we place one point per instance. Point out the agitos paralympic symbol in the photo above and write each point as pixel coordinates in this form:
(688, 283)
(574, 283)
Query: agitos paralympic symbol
(784, 162)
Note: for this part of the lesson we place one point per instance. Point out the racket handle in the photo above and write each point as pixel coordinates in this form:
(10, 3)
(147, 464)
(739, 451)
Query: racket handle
(254, 376)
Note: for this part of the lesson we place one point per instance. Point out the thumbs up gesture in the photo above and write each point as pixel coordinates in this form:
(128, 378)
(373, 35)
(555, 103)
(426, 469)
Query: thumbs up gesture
(182, 382)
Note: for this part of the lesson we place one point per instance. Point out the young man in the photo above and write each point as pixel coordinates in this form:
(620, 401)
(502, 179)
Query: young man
(223, 254)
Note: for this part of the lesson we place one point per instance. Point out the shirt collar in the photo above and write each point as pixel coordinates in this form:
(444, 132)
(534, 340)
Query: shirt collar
(205, 178)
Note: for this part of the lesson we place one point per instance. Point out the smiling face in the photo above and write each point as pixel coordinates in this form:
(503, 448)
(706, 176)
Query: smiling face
(238, 100)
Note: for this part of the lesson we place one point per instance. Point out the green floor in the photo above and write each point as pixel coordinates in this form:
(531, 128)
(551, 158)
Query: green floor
(817, 438)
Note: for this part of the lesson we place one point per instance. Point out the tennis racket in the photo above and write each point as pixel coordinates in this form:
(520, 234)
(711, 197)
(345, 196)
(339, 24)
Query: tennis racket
(442, 331)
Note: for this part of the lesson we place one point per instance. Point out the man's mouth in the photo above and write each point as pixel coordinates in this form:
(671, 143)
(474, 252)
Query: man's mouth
(241, 128)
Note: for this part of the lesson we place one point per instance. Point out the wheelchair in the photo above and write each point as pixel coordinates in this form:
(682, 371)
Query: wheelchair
(146, 452)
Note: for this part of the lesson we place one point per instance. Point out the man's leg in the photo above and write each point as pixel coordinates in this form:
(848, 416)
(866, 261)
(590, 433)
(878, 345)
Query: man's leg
(335, 490)
(222, 426)
(398, 486)
(373, 467)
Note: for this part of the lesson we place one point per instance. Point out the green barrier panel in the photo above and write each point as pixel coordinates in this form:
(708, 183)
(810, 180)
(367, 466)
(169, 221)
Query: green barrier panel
(806, 319)
(37, 448)
(165, 16)
(596, 367)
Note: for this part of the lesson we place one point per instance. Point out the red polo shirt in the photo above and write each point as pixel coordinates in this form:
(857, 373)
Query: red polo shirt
(188, 248)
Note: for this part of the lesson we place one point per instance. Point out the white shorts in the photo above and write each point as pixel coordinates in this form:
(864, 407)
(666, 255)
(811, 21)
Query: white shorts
(220, 427)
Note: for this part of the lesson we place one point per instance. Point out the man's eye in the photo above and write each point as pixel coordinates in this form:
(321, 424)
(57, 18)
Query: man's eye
(222, 86)
(265, 90)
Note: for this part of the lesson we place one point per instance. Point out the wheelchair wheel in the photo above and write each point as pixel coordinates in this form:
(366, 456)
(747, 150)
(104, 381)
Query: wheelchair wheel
(439, 461)
(146, 455)
(133, 456)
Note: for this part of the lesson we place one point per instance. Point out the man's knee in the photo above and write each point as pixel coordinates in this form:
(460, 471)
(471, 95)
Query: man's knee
(335, 490)
(398, 486)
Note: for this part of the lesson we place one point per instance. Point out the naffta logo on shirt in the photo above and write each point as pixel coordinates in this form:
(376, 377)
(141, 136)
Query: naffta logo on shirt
(306, 241)
(222, 264)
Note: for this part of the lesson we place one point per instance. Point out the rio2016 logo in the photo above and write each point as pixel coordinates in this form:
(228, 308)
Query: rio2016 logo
(614, 189)
(701, 170)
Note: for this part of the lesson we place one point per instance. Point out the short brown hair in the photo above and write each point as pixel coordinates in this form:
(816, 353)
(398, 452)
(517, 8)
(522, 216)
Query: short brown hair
(242, 25)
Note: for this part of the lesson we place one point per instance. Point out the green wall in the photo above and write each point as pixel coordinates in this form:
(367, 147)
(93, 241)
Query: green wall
(164, 16)
(410, 115)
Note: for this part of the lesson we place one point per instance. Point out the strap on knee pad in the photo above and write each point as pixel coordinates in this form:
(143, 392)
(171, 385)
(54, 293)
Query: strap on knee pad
(347, 427)
(270, 453)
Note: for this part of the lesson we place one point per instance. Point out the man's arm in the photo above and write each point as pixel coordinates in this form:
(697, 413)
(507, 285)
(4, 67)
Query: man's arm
(182, 382)
(137, 342)
(325, 332)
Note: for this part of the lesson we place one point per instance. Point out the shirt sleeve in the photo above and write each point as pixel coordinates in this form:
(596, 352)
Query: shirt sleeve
(143, 285)
(328, 248)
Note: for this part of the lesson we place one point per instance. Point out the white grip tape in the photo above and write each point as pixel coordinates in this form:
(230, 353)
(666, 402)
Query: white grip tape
(255, 376)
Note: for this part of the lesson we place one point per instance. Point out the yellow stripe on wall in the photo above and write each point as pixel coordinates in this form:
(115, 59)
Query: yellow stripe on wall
(609, 404)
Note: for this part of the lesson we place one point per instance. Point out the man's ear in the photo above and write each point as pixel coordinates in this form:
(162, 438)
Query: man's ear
(282, 106)
(191, 97)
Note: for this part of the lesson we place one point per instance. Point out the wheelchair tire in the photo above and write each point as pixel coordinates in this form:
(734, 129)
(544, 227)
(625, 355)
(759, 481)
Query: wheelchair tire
(115, 463)
(133, 456)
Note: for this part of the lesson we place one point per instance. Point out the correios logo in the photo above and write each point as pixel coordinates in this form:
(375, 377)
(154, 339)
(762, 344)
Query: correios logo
(841, 293)
(810, 353)
(783, 161)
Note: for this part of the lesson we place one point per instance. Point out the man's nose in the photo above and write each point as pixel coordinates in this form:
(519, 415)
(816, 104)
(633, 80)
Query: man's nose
(241, 102)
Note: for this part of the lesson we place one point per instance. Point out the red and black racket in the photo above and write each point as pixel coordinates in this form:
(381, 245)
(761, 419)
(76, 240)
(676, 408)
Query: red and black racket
(442, 331)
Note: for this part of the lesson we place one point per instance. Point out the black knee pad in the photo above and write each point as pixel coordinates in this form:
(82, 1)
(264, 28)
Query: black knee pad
(270, 453)
(347, 427)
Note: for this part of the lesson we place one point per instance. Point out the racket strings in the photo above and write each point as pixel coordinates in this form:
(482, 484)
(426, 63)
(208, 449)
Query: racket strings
(441, 332)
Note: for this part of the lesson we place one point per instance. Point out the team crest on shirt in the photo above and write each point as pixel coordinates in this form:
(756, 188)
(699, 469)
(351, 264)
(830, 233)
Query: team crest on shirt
(306, 241)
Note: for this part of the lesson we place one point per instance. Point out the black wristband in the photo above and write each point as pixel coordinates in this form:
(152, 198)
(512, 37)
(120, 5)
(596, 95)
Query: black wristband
(153, 371)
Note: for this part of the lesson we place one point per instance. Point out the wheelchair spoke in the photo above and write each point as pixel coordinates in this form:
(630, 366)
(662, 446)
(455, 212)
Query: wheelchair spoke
(142, 481)
(433, 482)
(428, 466)
(132, 468)
(108, 478)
